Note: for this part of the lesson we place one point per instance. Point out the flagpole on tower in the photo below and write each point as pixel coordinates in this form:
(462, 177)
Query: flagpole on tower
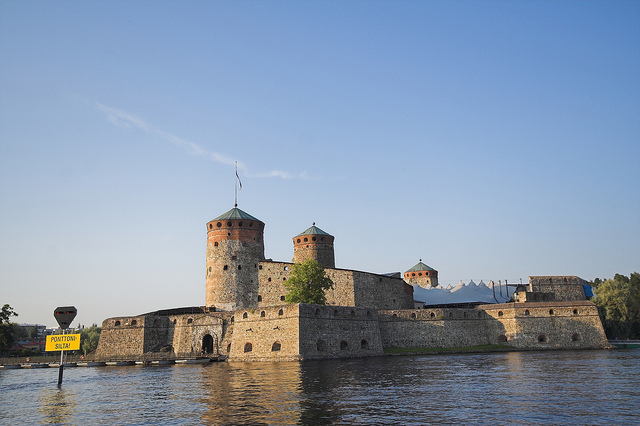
(238, 181)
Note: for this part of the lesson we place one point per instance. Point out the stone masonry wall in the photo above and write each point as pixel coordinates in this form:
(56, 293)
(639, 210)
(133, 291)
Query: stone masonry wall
(565, 288)
(158, 333)
(190, 330)
(381, 292)
(299, 331)
(181, 334)
(271, 276)
(121, 336)
(550, 325)
(351, 288)
(436, 328)
(545, 325)
(265, 334)
(338, 332)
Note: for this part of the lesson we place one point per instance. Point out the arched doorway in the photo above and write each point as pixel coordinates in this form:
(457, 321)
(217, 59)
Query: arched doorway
(207, 344)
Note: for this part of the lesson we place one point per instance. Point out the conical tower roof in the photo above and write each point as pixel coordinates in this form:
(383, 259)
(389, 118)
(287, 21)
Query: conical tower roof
(421, 267)
(236, 213)
(313, 230)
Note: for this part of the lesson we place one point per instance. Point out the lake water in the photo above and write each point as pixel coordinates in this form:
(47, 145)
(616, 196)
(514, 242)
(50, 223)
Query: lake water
(525, 388)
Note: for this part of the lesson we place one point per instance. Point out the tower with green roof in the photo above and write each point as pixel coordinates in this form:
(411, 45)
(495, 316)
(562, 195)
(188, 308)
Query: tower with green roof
(423, 275)
(314, 244)
(235, 246)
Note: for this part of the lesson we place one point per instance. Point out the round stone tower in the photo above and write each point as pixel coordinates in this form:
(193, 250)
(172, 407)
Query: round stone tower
(423, 275)
(315, 244)
(235, 246)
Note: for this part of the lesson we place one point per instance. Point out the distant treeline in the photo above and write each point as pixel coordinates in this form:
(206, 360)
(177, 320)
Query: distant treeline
(11, 333)
(618, 302)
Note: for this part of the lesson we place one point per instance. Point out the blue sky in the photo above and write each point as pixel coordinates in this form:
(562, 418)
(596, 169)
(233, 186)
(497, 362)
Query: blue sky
(492, 140)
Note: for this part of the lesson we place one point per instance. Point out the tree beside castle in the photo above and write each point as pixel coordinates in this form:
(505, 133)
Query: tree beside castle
(308, 283)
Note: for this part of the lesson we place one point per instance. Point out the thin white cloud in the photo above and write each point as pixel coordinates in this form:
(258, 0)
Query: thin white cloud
(126, 121)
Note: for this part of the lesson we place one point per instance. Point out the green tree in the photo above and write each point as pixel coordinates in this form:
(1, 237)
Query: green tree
(89, 338)
(618, 302)
(6, 314)
(308, 283)
(7, 329)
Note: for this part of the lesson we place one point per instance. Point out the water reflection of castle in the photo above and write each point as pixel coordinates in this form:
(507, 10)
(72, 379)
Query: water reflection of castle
(245, 316)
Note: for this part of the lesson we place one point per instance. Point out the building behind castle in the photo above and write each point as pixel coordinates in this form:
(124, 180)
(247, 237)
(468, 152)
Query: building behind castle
(245, 317)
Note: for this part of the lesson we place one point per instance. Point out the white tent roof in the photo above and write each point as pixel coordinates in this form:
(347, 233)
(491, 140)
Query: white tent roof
(471, 293)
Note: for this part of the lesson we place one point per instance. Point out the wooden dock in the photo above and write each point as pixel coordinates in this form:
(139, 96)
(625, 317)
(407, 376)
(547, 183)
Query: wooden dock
(13, 363)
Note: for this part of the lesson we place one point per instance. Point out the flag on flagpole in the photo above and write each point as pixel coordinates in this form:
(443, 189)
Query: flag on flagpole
(237, 176)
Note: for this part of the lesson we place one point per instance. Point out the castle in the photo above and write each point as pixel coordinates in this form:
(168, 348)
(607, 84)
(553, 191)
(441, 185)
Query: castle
(245, 317)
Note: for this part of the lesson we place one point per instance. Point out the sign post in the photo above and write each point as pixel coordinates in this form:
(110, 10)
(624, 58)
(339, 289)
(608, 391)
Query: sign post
(64, 315)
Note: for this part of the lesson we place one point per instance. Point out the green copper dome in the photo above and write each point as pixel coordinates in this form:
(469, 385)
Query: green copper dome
(314, 230)
(236, 213)
(421, 267)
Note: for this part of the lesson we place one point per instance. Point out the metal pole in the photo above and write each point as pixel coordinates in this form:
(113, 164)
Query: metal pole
(61, 365)
(236, 187)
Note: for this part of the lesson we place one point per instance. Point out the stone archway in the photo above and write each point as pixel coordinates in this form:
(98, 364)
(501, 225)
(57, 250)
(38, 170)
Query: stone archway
(207, 344)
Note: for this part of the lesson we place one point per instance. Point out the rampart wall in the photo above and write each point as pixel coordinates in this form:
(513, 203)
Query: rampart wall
(121, 336)
(338, 332)
(265, 334)
(381, 291)
(545, 325)
(271, 277)
(297, 332)
(351, 288)
(565, 288)
(437, 328)
(190, 330)
(550, 325)
(181, 334)
(300, 331)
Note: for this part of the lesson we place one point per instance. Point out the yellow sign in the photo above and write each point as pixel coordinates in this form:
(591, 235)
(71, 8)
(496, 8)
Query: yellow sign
(63, 342)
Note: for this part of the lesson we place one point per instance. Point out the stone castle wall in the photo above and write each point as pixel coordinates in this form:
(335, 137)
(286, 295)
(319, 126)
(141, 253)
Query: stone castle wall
(271, 277)
(351, 288)
(190, 330)
(299, 332)
(545, 325)
(565, 288)
(381, 291)
(181, 334)
(436, 328)
(121, 336)
(550, 325)
(265, 334)
(338, 332)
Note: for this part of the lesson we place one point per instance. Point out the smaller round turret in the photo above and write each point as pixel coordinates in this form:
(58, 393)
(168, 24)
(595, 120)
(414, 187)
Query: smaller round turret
(422, 275)
(314, 244)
